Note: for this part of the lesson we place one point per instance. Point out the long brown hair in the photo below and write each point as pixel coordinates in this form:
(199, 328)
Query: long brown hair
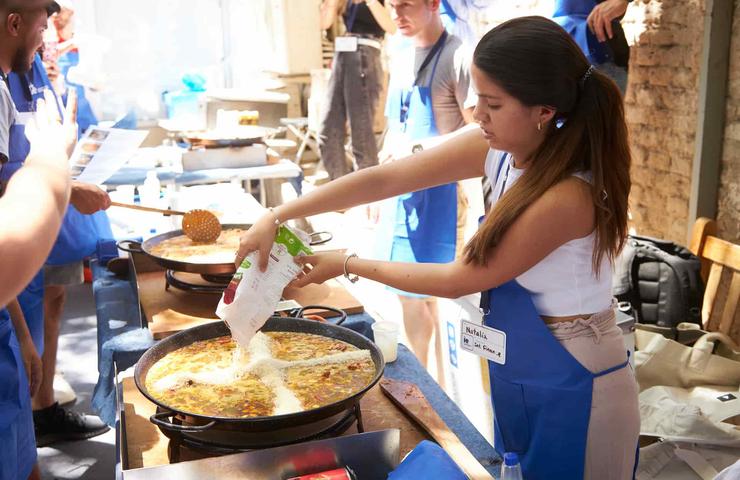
(534, 60)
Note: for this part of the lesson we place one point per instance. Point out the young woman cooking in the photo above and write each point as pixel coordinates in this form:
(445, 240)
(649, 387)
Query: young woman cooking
(553, 141)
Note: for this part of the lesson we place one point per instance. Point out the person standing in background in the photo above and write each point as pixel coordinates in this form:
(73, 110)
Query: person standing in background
(83, 224)
(355, 83)
(66, 57)
(42, 301)
(31, 210)
(429, 95)
(595, 26)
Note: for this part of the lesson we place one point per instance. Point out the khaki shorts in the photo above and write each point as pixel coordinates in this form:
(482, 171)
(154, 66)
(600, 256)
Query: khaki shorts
(64, 275)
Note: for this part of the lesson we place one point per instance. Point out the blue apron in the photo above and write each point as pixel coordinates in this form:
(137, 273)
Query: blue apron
(26, 90)
(14, 385)
(78, 236)
(572, 16)
(420, 226)
(541, 396)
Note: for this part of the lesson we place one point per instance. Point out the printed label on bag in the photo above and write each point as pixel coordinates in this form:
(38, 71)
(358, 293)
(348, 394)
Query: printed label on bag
(483, 341)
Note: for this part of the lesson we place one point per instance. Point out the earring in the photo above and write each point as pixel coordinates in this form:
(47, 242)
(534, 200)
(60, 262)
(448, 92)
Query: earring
(539, 126)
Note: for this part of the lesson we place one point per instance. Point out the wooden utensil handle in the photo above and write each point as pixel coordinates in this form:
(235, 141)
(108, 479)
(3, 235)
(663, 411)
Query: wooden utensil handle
(147, 209)
(409, 398)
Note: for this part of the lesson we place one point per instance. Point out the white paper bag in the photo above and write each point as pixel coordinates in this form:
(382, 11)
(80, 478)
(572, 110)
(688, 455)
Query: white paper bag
(252, 295)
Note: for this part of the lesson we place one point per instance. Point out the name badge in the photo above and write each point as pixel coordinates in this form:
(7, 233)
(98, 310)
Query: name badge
(345, 44)
(483, 341)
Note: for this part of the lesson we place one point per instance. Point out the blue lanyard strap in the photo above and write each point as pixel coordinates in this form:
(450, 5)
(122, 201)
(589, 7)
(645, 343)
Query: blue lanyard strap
(449, 11)
(433, 53)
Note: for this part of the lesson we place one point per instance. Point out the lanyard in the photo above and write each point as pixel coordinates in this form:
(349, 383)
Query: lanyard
(485, 301)
(434, 52)
(506, 176)
(351, 9)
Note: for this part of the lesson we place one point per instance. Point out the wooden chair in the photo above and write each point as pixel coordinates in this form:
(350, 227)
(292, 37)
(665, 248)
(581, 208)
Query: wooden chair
(720, 258)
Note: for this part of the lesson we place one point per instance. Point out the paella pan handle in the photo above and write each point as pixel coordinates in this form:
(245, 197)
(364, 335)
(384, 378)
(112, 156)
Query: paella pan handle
(320, 238)
(159, 419)
(130, 246)
(342, 313)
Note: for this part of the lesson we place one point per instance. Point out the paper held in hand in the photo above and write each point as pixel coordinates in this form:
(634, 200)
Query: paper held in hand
(252, 296)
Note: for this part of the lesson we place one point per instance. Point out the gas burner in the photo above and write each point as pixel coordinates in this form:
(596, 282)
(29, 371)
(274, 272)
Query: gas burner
(196, 283)
(216, 442)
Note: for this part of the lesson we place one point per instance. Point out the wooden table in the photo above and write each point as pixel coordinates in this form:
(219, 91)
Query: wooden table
(146, 445)
(171, 310)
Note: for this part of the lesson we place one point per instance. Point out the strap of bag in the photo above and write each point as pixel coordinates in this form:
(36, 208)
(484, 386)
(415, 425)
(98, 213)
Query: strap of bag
(704, 341)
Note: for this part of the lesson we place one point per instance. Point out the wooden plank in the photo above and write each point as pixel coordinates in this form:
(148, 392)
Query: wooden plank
(710, 296)
(172, 310)
(147, 445)
(722, 251)
(703, 227)
(408, 397)
(730, 311)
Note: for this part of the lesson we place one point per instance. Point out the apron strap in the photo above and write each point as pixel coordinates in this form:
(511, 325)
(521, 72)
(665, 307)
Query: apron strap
(614, 368)
(434, 52)
(436, 60)
(485, 302)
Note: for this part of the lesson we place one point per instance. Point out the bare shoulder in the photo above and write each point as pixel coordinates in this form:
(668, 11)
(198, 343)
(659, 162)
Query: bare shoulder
(568, 204)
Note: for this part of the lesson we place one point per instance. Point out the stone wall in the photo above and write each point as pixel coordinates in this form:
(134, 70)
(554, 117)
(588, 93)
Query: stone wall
(660, 105)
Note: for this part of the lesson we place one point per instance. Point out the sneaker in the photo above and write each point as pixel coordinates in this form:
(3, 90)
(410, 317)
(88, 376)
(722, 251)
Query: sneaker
(55, 424)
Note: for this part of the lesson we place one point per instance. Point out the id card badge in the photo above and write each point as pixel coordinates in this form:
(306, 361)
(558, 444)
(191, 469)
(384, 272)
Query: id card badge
(345, 44)
(483, 341)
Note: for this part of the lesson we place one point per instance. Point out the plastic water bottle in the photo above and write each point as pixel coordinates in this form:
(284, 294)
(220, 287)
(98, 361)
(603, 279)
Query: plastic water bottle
(511, 469)
(150, 191)
(149, 194)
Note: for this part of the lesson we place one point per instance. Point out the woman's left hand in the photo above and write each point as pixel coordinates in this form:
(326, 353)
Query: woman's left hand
(32, 364)
(601, 17)
(319, 268)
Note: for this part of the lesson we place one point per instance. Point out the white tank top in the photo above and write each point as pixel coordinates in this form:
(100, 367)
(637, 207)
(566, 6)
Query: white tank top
(563, 283)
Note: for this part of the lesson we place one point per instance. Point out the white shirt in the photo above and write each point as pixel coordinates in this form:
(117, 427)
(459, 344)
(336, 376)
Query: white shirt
(564, 282)
(8, 116)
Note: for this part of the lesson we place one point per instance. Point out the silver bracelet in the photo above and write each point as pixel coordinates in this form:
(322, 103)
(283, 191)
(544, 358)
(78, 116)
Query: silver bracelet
(354, 278)
(277, 219)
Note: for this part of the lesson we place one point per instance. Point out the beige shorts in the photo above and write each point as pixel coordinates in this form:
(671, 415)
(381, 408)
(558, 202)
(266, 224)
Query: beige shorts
(614, 427)
(64, 275)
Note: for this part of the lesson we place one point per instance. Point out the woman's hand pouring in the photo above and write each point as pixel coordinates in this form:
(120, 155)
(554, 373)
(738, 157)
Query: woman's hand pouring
(319, 268)
(259, 237)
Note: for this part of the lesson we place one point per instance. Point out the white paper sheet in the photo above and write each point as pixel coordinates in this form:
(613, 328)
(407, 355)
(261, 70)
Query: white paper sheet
(101, 152)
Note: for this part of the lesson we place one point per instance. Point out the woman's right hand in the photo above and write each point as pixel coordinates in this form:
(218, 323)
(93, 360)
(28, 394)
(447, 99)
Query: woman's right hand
(259, 237)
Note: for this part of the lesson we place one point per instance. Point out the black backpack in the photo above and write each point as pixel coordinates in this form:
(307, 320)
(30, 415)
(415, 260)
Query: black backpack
(660, 281)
